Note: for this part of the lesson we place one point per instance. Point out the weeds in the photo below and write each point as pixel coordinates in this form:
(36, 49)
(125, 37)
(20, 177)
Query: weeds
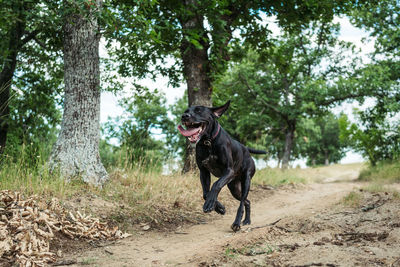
(387, 172)
(353, 199)
(276, 177)
(230, 253)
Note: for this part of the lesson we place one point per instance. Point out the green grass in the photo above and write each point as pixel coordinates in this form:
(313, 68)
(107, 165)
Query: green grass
(353, 199)
(21, 176)
(387, 172)
(277, 177)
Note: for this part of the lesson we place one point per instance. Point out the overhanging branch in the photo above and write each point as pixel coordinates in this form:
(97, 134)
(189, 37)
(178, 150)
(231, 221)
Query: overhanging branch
(244, 80)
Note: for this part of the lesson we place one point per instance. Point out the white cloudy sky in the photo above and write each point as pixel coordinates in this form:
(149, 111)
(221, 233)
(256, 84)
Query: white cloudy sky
(109, 101)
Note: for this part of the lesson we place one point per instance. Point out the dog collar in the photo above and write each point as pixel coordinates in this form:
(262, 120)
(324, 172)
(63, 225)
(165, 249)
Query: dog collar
(208, 141)
(215, 135)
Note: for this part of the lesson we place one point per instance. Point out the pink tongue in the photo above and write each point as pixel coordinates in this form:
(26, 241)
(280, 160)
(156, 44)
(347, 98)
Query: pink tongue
(187, 132)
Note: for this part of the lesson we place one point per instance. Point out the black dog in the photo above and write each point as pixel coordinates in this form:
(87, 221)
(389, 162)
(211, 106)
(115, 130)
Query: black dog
(221, 155)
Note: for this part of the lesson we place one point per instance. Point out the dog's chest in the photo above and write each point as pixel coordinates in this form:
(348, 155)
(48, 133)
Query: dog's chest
(211, 163)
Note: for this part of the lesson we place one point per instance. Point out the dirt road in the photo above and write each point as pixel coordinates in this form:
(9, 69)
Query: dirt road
(192, 245)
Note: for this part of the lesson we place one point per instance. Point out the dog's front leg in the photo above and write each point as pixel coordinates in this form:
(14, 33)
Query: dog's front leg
(211, 200)
(205, 179)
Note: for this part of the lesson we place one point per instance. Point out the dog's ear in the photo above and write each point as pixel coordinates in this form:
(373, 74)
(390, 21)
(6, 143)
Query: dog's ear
(218, 111)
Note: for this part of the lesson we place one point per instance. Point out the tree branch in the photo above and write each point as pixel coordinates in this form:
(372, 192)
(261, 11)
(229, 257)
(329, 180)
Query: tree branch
(341, 98)
(29, 37)
(40, 43)
(244, 80)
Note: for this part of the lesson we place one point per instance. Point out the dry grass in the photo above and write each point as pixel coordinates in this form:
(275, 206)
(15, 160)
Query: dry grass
(153, 198)
(331, 173)
(386, 172)
(277, 177)
(136, 195)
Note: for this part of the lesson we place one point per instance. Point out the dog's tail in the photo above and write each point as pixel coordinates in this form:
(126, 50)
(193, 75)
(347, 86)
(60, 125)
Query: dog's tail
(255, 151)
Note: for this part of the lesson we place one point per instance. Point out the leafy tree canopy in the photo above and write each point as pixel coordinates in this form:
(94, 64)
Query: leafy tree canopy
(149, 34)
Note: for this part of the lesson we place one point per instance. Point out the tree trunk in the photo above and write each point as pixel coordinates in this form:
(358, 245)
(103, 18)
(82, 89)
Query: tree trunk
(195, 69)
(326, 158)
(313, 161)
(5, 83)
(7, 73)
(76, 152)
(289, 141)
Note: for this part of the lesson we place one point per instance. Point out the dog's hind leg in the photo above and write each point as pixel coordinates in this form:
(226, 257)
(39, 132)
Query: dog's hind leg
(240, 190)
(247, 209)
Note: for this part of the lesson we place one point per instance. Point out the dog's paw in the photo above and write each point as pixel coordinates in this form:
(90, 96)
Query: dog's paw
(209, 205)
(246, 222)
(219, 208)
(235, 227)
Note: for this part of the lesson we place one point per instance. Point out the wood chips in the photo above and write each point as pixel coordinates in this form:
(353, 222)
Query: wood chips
(28, 225)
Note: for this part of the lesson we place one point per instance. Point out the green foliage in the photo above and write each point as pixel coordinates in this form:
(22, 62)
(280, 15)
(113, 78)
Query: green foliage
(150, 33)
(377, 133)
(319, 140)
(377, 140)
(299, 75)
(34, 114)
(145, 116)
(381, 18)
(30, 34)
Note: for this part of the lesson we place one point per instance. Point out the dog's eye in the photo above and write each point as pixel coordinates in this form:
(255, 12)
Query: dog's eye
(197, 110)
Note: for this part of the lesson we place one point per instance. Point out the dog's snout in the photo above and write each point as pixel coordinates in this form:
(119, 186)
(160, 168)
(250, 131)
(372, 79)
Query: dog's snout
(185, 116)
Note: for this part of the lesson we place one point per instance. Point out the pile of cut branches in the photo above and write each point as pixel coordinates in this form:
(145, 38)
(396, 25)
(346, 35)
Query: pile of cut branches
(28, 224)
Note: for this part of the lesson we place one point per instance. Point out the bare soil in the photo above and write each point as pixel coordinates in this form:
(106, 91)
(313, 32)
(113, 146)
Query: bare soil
(291, 226)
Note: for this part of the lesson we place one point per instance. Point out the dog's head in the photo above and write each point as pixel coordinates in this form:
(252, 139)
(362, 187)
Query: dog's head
(199, 121)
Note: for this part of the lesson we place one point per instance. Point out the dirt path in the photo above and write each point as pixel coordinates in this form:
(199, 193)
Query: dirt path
(192, 245)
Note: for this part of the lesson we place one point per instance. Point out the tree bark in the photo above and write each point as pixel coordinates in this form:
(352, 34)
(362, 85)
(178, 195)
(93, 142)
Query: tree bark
(289, 141)
(313, 161)
(76, 152)
(196, 69)
(326, 158)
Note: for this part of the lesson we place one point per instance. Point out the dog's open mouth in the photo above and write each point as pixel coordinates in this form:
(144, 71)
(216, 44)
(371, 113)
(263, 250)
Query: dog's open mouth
(193, 131)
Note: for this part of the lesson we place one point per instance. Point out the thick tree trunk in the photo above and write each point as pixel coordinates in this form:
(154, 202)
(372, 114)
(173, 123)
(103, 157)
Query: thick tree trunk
(196, 70)
(76, 152)
(289, 141)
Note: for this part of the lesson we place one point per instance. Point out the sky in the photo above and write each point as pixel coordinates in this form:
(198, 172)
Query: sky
(349, 33)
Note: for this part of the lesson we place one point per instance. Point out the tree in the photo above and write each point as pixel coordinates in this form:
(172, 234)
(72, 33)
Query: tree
(196, 35)
(76, 152)
(319, 140)
(377, 135)
(382, 20)
(25, 27)
(301, 73)
(34, 113)
(145, 115)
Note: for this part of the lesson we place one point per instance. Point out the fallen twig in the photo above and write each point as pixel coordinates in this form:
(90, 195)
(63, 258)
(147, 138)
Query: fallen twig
(64, 262)
(28, 225)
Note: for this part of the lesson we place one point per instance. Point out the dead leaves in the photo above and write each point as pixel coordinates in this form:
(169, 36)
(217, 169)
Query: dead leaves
(28, 225)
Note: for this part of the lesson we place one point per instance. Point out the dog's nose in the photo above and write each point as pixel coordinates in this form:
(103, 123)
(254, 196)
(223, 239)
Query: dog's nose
(185, 116)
